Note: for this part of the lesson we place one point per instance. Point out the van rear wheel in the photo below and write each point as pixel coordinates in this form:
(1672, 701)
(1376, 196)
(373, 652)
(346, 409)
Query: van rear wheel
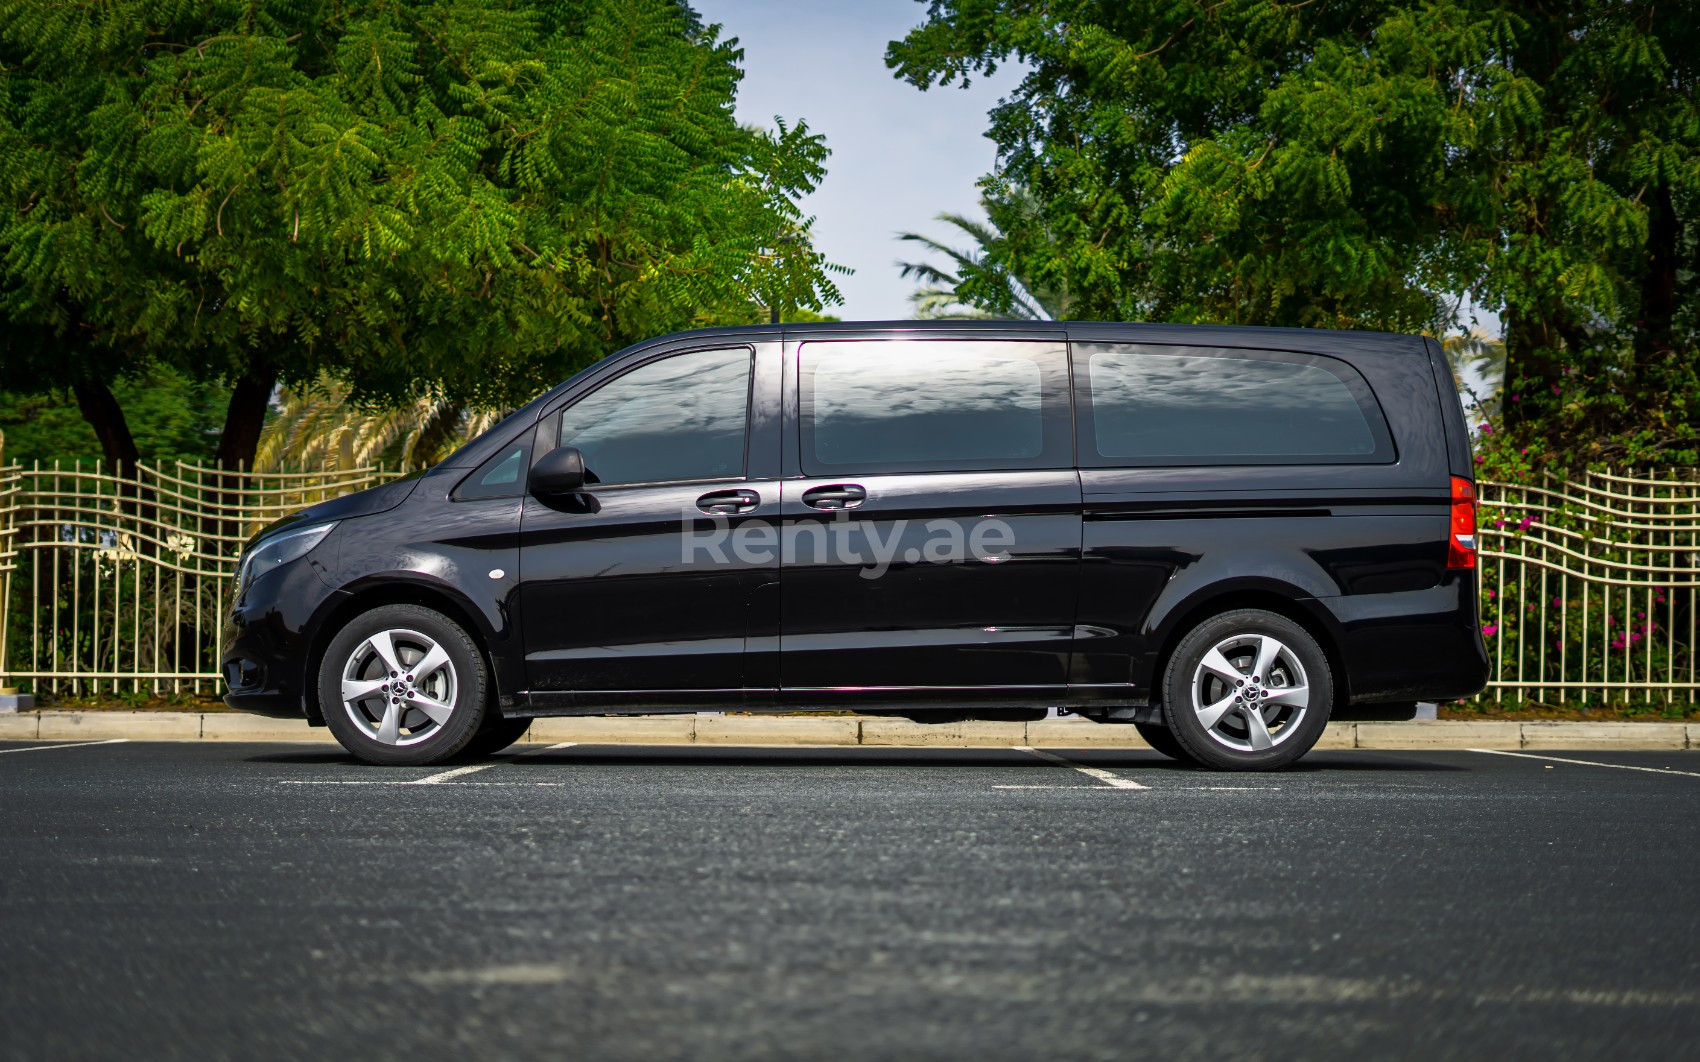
(1247, 690)
(496, 735)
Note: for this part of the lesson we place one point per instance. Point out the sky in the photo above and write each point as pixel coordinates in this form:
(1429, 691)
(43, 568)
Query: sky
(900, 156)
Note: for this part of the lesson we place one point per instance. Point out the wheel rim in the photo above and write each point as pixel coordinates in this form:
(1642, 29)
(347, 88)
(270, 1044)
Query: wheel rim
(399, 687)
(1250, 692)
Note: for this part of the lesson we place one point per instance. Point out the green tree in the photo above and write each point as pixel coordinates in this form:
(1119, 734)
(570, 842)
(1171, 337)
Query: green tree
(464, 198)
(980, 281)
(1352, 164)
(173, 419)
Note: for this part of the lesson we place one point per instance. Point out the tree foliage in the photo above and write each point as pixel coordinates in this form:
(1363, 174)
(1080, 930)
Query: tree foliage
(463, 198)
(980, 281)
(1370, 164)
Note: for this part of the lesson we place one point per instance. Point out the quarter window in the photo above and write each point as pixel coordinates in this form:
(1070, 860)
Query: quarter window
(680, 418)
(932, 406)
(1175, 405)
(502, 476)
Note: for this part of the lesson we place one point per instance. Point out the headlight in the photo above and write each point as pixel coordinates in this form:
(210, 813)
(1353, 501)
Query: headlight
(268, 553)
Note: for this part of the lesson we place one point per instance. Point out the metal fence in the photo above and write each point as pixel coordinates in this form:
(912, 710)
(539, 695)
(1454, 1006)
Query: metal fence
(1589, 587)
(112, 585)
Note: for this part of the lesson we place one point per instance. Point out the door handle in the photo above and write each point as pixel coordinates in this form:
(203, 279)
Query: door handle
(837, 496)
(728, 502)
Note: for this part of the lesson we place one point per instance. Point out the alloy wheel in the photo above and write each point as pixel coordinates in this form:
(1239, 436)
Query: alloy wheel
(399, 687)
(1250, 692)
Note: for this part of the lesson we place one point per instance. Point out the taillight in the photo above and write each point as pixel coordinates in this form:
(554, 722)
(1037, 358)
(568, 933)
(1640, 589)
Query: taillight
(1461, 546)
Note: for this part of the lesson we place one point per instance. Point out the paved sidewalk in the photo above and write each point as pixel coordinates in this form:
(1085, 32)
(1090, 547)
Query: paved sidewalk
(1071, 733)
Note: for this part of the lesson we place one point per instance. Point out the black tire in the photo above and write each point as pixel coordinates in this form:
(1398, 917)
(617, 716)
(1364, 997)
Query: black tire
(1285, 727)
(1160, 739)
(497, 734)
(410, 737)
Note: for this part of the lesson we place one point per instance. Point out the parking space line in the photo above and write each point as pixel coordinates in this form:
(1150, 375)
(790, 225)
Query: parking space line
(1110, 780)
(72, 745)
(459, 772)
(1584, 763)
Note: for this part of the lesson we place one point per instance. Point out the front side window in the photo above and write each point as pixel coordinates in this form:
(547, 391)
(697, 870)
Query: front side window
(1148, 404)
(679, 418)
(932, 406)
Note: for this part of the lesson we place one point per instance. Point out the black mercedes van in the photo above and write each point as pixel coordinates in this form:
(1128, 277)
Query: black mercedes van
(1223, 536)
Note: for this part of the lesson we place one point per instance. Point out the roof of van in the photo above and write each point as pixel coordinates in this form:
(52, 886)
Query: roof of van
(1317, 340)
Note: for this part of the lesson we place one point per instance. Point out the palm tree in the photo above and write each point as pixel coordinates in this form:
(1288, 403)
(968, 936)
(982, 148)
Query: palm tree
(981, 282)
(316, 426)
(1477, 354)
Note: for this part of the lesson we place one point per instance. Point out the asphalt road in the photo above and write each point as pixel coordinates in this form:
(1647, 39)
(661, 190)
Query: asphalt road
(213, 900)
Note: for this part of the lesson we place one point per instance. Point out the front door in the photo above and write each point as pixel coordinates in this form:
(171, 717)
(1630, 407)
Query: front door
(622, 603)
(932, 540)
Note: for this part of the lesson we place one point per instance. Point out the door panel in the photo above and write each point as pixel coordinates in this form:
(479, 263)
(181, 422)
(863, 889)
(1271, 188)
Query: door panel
(952, 579)
(932, 538)
(636, 586)
(630, 588)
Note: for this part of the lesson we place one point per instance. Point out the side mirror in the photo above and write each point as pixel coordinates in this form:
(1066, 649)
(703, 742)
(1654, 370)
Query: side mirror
(561, 471)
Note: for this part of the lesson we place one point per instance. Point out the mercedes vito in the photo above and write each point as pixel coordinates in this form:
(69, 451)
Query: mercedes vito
(1225, 537)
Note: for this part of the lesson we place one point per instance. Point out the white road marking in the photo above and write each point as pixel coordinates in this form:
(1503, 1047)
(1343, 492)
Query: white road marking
(1584, 763)
(1090, 788)
(1113, 781)
(72, 745)
(459, 772)
(480, 785)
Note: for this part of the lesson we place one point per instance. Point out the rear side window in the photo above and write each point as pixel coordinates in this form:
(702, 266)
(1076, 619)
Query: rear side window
(1172, 405)
(677, 419)
(933, 406)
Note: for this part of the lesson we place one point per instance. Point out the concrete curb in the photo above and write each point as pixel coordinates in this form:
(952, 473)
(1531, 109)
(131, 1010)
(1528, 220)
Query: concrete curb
(853, 730)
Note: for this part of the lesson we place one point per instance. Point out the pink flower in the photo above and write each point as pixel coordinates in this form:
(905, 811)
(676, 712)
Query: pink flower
(1555, 389)
(1523, 524)
(1487, 429)
(1499, 523)
(1490, 629)
(1479, 460)
(1617, 642)
(1490, 595)
(1515, 398)
(1557, 602)
(1640, 615)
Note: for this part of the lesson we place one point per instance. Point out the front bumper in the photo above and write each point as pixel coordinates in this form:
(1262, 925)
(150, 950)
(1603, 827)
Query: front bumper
(268, 642)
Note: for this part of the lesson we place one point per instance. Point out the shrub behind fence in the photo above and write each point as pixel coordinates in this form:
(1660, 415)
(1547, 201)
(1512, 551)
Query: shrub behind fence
(1589, 588)
(111, 585)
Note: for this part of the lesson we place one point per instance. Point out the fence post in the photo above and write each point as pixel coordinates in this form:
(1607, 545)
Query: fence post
(10, 699)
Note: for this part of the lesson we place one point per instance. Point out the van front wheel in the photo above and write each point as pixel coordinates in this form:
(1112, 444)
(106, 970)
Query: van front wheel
(1162, 740)
(1247, 690)
(403, 685)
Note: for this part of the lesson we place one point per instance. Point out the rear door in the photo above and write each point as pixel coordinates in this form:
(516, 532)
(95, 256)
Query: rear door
(931, 531)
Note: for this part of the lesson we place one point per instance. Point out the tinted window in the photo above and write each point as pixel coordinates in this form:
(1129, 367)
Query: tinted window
(932, 405)
(680, 418)
(1196, 405)
(500, 477)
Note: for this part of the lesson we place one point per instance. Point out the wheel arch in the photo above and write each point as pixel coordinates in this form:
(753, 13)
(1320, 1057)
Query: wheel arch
(395, 592)
(1301, 610)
